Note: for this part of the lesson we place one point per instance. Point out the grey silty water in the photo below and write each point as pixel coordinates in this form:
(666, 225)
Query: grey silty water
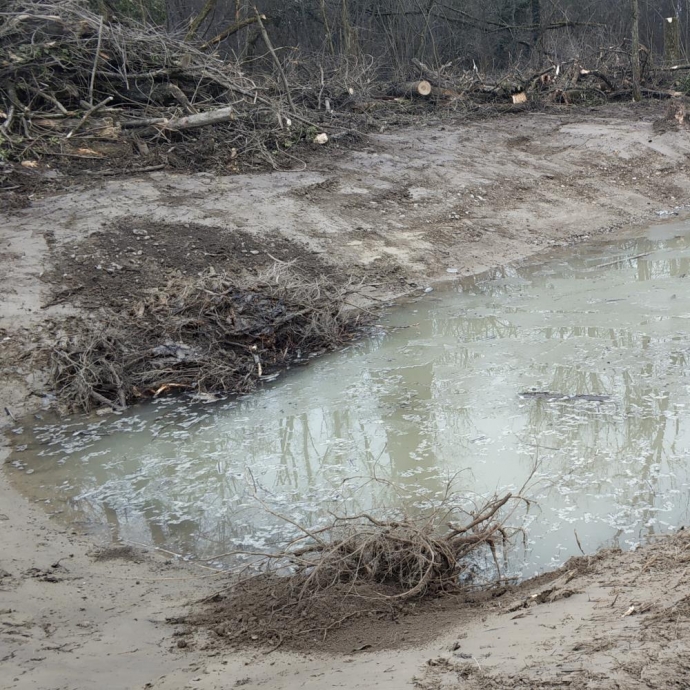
(433, 394)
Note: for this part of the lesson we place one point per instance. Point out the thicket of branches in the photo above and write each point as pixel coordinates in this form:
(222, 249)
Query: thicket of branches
(209, 336)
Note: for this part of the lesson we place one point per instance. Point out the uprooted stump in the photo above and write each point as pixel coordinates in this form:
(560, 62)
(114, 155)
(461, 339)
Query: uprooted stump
(411, 557)
(206, 336)
(357, 568)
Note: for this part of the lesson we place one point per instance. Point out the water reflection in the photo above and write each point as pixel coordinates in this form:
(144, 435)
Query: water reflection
(418, 404)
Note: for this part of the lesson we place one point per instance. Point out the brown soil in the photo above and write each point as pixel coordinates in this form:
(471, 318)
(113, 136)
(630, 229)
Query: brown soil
(120, 263)
(625, 623)
(396, 215)
(263, 615)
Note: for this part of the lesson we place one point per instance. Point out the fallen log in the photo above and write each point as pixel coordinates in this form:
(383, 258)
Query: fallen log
(232, 29)
(179, 124)
(579, 94)
(655, 93)
(210, 117)
(599, 75)
(418, 89)
(646, 93)
(538, 78)
(448, 94)
(673, 68)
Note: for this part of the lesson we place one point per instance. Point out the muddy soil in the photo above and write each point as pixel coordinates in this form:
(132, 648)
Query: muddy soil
(610, 621)
(398, 215)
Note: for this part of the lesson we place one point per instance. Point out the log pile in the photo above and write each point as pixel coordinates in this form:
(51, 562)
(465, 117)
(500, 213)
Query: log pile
(566, 83)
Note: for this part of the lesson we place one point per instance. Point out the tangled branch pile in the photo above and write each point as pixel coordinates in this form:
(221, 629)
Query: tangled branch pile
(211, 336)
(70, 79)
(412, 556)
(80, 88)
(359, 566)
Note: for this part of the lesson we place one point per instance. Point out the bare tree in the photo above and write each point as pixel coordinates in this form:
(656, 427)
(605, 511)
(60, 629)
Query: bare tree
(493, 34)
(635, 8)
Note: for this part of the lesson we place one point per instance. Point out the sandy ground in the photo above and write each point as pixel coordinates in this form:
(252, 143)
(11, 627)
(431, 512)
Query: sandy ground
(396, 215)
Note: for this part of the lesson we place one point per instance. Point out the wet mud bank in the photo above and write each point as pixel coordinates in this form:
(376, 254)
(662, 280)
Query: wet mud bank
(395, 218)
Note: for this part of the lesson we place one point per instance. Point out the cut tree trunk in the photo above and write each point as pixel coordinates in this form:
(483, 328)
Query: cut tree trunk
(672, 40)
(636, 67)
(447, 94)
(599, 75)
(419, 89)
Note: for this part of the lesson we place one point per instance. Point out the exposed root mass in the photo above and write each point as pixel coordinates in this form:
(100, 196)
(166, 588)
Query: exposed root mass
(360, 567)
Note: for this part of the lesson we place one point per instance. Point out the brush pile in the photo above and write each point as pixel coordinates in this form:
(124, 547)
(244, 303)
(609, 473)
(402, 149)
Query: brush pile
(412, 556)
(604, 76)
(208, 337)
(361, 566)
(91, 95)
(110, 94)
(74, 85)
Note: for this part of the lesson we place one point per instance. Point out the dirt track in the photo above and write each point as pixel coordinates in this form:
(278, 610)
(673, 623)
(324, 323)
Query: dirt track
(397, 216)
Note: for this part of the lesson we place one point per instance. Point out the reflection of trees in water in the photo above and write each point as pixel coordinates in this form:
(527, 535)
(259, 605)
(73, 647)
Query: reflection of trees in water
(620, 338)
(648, 268)
(470, 329)
(631, 441)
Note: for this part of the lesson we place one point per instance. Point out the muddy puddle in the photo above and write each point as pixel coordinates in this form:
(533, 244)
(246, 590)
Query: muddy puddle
(577, 366)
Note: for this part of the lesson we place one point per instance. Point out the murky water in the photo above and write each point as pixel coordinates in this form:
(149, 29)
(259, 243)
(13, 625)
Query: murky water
(435, 394)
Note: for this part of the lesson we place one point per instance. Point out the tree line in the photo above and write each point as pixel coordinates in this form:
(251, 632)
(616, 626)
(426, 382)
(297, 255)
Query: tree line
(486, 34)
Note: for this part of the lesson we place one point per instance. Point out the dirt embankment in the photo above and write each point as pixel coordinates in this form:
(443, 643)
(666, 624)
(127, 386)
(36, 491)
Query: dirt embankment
(397, 216)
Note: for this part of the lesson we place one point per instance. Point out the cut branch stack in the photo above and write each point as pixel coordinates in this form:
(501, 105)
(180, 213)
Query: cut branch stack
(70, 80)
(567, 83)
